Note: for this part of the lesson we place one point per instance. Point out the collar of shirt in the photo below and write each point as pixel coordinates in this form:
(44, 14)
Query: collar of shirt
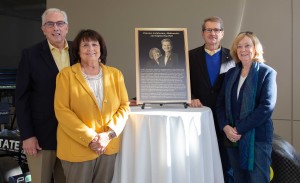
(52, 47)
(61, 57)
(211, 53)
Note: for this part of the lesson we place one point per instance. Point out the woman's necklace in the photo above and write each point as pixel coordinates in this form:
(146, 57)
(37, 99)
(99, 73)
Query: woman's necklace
(94, 76)
(91, 71)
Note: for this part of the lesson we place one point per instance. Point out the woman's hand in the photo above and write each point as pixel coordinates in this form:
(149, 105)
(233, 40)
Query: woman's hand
(231, 133)
(132, 102)
(100, 142)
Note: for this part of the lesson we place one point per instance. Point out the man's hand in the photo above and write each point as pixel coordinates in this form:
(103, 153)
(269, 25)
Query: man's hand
(196, 103)
(31, 146)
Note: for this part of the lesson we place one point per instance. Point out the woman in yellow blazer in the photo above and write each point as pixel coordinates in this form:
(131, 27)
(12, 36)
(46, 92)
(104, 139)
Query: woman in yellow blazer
(92, 106)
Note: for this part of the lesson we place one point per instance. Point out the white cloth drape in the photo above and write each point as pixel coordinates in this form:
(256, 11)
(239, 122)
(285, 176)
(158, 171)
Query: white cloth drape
(169, 145)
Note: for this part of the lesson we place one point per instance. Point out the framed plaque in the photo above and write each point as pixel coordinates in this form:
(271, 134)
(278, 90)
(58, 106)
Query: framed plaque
(162, 66)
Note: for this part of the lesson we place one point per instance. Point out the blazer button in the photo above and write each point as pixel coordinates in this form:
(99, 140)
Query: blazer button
(105, 101)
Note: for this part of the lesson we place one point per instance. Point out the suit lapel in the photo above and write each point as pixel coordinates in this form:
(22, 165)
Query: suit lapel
(225, 56)
(47, 57)
(70, 53)
(226, 64)
(106, 80)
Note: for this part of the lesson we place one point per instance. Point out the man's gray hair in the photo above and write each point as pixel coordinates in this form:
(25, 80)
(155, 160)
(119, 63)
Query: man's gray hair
(54, 10)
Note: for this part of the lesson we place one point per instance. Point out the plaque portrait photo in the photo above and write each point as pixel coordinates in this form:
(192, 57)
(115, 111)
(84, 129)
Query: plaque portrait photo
(162, 66)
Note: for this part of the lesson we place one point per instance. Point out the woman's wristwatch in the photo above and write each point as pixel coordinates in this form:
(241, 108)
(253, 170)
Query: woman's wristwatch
(111, 134)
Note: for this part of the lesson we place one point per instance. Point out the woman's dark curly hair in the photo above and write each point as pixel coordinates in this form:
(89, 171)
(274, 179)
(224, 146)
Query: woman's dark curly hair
(87, 35)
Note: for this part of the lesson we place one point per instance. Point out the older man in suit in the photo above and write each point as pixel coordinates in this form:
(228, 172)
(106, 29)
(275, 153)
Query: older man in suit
(36, 79)
(208, 65)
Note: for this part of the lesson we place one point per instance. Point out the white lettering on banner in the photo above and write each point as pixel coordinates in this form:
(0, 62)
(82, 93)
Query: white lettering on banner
(9, 144)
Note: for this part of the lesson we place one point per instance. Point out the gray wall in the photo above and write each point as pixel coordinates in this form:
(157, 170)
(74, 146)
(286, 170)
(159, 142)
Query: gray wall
(274, 21)
(16, 34)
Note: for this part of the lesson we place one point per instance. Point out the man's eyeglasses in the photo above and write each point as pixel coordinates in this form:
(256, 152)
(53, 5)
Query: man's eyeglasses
(52, 24)
(211, 30)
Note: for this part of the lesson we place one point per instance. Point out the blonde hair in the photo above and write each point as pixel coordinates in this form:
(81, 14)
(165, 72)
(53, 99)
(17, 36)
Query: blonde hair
(258, 57)
(152, 50)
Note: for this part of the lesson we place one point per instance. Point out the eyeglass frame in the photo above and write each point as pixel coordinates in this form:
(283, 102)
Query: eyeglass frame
(51, 24)
(210, 30)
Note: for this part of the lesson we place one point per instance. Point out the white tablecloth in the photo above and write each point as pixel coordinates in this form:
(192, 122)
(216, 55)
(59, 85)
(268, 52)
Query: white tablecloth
(169, 145)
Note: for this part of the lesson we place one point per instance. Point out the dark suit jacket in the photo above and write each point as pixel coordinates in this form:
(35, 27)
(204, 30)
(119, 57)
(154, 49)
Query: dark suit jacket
(35, 87)
(201, 88)
(151, 64)
(171, 63)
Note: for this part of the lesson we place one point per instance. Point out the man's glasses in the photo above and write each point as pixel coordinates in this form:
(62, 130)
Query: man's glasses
(52, 24)
(211, 30)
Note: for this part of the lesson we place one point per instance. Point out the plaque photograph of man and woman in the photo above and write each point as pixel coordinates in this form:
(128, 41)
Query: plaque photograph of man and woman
(162, 65)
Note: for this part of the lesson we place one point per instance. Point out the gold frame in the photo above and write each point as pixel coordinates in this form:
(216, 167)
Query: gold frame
(177, 78)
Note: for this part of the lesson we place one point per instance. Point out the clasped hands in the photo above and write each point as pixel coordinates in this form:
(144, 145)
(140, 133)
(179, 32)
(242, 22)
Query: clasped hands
(100, 142)
(231, 133)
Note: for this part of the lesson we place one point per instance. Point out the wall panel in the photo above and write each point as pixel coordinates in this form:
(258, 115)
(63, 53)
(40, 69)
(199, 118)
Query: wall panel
(283, 128)
(278, 32)
(274, 31)
(296, 60)
(296, 135)
(116, 21)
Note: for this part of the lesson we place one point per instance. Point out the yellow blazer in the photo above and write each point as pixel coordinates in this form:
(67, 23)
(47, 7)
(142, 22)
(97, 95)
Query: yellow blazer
(79, 116)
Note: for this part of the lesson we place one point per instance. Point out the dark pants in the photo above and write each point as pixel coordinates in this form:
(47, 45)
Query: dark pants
(227, 170)
(262, 163)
